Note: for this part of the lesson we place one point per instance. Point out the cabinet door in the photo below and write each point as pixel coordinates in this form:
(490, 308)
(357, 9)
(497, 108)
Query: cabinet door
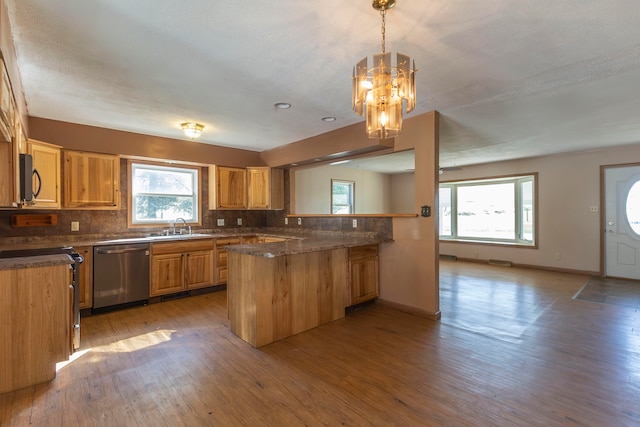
(85, 277)
(91, 180)
(221, 258)
(227, 188)
(258, 185)
(265, 188)
(363, 274)
(167, 274)
(7, 174)
(46, 160)
(199, 269)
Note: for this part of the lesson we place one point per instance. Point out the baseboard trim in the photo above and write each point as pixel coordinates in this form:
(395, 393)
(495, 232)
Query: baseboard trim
(538, 267)
(410, 310)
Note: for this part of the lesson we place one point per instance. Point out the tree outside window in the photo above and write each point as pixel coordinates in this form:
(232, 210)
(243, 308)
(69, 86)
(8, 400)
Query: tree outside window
(160, 194)
(342, 197)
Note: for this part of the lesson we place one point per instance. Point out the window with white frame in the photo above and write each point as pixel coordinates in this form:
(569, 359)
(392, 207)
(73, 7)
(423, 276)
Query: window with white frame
(160, 193)
(498, 210)
(342, 197)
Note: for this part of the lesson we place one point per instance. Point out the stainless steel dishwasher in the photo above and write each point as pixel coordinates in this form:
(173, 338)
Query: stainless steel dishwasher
(120, 276)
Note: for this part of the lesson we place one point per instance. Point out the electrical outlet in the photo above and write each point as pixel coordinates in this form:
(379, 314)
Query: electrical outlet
(75, 226)
(354, 223)
(239, 221)
(556, 255)
(286, 221)
(221, 223)
(299, 221)
(593, 209)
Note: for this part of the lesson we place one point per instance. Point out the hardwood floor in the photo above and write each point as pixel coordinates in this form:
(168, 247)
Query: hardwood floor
(512, 348)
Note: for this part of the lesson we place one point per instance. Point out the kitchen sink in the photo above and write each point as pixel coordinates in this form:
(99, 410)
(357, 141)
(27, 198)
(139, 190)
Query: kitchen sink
(178, 236)
(157, 238)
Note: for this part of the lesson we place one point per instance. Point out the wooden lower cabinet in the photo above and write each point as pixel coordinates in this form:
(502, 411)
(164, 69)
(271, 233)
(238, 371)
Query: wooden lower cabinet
(36, 318)
(199, 269)
(221, 257)
(85, 277)
(179, 266)
(363, 274)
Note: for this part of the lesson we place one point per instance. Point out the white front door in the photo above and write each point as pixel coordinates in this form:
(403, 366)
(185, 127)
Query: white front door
(622, 222)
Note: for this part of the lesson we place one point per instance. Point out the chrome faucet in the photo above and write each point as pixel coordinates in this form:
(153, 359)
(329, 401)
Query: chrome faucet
(174, 225)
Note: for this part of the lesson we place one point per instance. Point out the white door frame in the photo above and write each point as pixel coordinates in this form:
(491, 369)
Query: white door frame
(603, 218)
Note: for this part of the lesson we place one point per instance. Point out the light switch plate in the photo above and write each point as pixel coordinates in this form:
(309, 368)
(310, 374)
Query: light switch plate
(221, 222)
(239, 221)
(299, 221)
(75, 226)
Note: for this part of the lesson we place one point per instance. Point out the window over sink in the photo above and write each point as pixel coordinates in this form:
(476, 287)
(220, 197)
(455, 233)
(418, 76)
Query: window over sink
(160, 194)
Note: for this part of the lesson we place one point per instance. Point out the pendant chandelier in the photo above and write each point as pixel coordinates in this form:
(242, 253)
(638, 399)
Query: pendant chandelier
(378, 92)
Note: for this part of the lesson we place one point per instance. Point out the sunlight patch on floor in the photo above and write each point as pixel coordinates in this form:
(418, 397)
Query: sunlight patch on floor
(75, 356)
(138, 342)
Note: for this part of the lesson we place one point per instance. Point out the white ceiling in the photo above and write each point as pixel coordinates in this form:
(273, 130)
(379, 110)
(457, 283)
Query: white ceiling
(511, 78)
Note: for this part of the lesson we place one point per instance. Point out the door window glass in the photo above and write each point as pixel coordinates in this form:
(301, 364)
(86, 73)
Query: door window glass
(633, 207)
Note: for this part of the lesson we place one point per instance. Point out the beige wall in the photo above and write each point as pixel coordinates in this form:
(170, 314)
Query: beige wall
(313, 190)
(568, 185)
(409, 275)
(403, 189)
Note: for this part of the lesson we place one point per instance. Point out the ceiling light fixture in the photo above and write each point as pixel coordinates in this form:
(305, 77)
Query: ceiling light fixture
(282, 105)
(378, 92)
(328, 119)
(192, 129)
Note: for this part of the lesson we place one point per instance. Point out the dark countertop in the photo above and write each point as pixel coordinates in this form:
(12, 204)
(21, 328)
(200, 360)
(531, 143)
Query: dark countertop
(34, 261)
(297, 241)
(299, 246)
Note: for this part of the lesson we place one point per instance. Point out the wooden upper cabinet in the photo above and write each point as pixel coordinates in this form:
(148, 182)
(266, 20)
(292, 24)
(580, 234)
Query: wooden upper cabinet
(265, 188)
(7, 175)
(227, 187)
(46, 161)
(91, 180)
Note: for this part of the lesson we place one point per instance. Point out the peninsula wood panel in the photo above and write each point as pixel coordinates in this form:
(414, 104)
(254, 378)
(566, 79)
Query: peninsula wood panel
(91, 180)
(273, 298)
(35, 317)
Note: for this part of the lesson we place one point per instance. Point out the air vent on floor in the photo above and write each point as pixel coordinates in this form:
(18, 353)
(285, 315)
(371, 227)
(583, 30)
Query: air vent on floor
(500, 262)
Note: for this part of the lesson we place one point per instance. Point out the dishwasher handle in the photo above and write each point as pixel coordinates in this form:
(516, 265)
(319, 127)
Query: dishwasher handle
(122, 250)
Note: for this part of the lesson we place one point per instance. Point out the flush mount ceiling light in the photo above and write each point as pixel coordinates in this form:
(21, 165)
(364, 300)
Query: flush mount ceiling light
(282, 105)
(192, 129)
(378, 92)
(328, 119)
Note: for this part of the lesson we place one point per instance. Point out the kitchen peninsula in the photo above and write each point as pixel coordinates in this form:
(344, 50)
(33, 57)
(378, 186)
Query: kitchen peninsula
(276, 290)
(35, 315)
